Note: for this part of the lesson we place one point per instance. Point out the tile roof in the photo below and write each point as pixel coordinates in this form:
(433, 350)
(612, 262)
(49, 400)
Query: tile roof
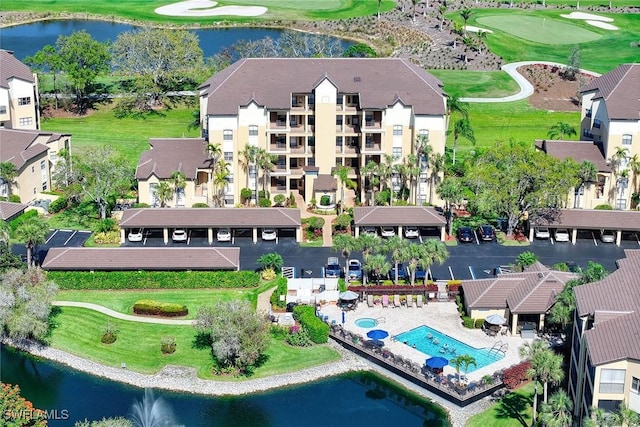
(614, 302)
(489, 293)
(167, 155)
(11, 67)
(211, 217)
(9, 209)
(270, 82)
(105, 259)
(593, 219)
(18, 147)
(620, 89)
(576, 150)
(398, 215)
(325, 183)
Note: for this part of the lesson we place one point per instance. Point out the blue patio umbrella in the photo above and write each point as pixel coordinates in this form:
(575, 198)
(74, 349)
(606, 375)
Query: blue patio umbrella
(343, 317)
(436, 362)
(377, 334)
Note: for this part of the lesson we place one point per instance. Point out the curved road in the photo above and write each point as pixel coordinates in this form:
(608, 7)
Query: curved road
(122, 316)
(526, 88)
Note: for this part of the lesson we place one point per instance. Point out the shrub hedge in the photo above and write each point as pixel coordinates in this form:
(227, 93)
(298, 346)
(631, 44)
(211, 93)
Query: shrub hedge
(318, 330)
(281, 289)
(157, 308)
(17, 222)
(154, 279)
(59, 204)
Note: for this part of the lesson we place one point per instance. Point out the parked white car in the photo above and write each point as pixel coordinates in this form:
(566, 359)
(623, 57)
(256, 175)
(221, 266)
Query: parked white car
(370, 230)
(542, 233)
(269, 234)
(562, 235)
(223, 235)
(608, 236)
(179, 235)
(135, 235)
(387, 231)
(411, 232)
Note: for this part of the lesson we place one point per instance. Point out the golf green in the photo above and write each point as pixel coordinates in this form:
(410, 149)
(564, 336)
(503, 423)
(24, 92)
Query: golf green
(539, 29)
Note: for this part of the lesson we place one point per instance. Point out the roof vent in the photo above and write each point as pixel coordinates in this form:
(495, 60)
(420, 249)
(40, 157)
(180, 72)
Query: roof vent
(357, 79)
(540, 275)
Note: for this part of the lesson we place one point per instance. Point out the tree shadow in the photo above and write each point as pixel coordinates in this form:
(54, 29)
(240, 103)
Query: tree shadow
(514, 406)
(202, 340)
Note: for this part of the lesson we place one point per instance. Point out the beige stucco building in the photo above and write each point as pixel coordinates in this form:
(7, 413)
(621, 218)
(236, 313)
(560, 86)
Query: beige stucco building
(315, 114)
(609, 117)
(18, 94)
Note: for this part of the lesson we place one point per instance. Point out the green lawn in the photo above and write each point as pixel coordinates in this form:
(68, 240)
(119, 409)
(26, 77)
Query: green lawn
(611, 49)
(514, 410)
(482, 84)
(129, 136)
(143, 10)
(123, 301)
(78, 331)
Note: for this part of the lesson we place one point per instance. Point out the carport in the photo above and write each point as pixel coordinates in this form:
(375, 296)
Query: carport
(592, 219)
(399, 217)
(10, 210)
(210, 219)
(172, 259)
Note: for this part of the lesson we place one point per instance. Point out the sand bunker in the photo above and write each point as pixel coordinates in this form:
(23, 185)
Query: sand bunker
(477, 29)
(592, 17)
(602, 25)
(207, 8)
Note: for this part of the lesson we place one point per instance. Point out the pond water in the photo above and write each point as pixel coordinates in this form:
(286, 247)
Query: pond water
(358, 399)
(25, 40)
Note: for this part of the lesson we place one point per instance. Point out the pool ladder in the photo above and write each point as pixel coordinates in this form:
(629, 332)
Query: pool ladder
(499, 347)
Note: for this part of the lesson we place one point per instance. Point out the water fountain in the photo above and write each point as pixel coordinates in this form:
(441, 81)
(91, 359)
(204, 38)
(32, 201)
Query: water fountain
(152, 412)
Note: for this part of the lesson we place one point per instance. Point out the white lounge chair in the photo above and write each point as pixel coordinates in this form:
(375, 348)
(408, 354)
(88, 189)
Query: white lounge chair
(396, 300)
(409, 300)
(370, 300)
(419, 301)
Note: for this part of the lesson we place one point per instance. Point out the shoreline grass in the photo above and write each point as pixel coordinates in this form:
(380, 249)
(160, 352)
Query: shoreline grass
(513, 410)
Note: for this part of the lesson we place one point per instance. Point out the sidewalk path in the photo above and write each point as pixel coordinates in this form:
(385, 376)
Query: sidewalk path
(526, 88)
(122, 316)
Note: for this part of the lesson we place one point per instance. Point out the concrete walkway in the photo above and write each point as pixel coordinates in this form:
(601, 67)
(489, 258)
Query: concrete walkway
(122, 316)
(327, 237)
(526, 88)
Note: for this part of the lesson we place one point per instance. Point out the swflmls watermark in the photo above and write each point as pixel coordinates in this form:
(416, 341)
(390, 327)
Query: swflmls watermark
(37, 414)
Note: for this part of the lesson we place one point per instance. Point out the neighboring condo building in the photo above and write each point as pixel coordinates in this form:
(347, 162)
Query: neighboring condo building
(18, 94)
(33, 154)
(609, 117)
(313, 115)
(605, 355)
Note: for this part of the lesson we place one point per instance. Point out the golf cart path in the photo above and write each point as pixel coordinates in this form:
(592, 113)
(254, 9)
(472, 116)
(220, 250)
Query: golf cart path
(122, 316)
(526, 88)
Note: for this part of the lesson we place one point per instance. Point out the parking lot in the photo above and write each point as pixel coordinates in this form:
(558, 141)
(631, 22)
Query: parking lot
(55, 239)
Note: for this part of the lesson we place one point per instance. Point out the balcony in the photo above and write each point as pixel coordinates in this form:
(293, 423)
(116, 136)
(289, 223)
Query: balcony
(277, 148)
(372, 148)
(372, 125)
(298, 149)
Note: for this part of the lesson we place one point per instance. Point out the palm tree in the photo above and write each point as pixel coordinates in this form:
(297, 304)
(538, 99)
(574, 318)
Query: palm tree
(214, 151)
(557, 412)
(443, 10)
(412, 254)
(436, 166)
(458, 29)
(462, 128)
(626, 417)
(634, 166)
(164, 192)
(179, 182)
(465, 14)
(531, 350)
(394, 246)
(248, 159)
(560, 129)
(454, 105)
(482, 38)
(434, 252)
(415, 3)
(342, 173)
(463, 361)
(219, 184)
(8, 175)
(413, 172)
(33, 231)
(599, 418)
(379, 3)
(450, 190)
(265, 162)
(587, 174)
(376, 264)
(370, 171)
(367, 244)
(345, 244)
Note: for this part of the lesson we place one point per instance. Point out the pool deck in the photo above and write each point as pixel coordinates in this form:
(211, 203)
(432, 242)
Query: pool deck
(442, 316)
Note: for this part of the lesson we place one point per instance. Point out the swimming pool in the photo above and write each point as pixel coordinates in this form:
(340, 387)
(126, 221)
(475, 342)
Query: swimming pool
(434, 343)
(366, 322)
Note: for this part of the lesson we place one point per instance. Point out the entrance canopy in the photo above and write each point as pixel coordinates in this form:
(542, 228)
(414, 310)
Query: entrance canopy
(420, 216)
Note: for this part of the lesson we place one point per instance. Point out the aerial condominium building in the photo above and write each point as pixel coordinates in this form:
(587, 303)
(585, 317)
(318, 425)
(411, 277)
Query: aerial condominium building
(18, 94)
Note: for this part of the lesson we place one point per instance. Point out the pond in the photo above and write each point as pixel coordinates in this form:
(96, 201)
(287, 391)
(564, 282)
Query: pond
(25, 40)
(357, 399)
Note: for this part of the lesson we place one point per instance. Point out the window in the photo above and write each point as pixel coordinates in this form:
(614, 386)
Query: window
(612, 380)
(252, 171)
(588, 113)
(229, 179)
(596, 123)
(25, 121)
(228, 199)
(423, 133)
(228, 156)
(253, 130)
(3, 109)
(397, 152)
(626, 139)
(227, 135)
(53, 156)
(397, 130)
(338, 141)
(24, 101)
(635, 384)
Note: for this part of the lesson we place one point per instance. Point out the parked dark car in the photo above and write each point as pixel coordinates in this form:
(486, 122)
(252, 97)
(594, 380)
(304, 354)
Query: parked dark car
(486, 233)
(465, 234)
(420, 274)
(402, 273)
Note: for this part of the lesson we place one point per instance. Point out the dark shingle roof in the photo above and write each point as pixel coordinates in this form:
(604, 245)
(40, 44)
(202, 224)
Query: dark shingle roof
(593, 219)
(325, 183)
(211, 217)
(397, 215)
(104, 259)
(271, 81)
(186, 155)
(10, 67)
(620, 88)
(17, 147)
(9, 209)
(576, 150)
